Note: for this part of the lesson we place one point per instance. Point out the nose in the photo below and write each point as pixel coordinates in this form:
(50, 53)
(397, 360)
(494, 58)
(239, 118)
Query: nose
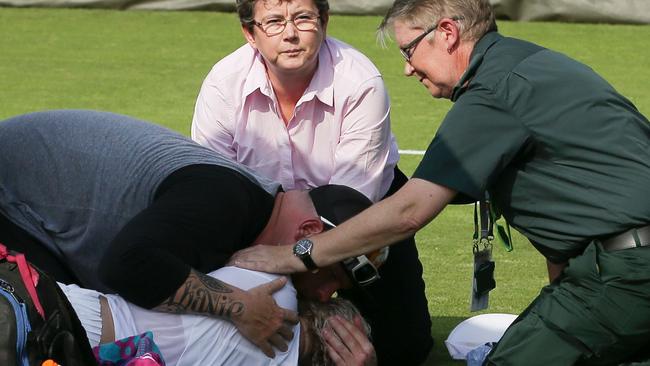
(290, 30)
(409, 70)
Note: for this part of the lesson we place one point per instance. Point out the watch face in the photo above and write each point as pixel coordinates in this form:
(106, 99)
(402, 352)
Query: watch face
(303, 246)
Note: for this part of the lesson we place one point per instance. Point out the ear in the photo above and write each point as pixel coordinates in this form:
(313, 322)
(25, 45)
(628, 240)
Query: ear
(450, 32)
(249, 35)
(309, 227)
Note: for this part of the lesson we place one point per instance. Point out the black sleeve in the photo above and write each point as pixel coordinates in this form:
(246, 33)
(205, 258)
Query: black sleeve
(199, 218)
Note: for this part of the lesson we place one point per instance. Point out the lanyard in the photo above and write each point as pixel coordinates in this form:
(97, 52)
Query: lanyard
(483, 233)
(488, 218)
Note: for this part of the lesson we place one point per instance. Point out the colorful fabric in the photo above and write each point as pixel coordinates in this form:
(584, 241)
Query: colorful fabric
(138, 350)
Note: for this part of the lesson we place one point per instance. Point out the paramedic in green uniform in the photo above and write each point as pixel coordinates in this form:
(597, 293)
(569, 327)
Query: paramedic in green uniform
(565, 158)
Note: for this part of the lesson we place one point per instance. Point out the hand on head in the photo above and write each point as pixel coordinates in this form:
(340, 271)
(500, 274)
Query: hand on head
(346, 342)
(267, 258)
(339, 335)
(263, 322)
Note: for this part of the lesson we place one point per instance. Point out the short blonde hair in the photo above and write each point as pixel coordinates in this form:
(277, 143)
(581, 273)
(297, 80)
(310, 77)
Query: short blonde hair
(475, 17)
(316, 314)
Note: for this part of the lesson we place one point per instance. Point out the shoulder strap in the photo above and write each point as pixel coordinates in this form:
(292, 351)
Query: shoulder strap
(28, 275)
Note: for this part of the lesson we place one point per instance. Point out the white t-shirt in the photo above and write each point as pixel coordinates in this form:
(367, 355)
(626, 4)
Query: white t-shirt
(197, 340)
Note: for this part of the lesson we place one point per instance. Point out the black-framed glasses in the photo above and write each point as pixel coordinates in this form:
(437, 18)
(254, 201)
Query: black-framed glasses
(359, 268)
(273, 26)
(407, 51)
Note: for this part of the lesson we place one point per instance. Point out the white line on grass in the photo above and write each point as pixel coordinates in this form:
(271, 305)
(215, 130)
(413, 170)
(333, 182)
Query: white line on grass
(411, 152)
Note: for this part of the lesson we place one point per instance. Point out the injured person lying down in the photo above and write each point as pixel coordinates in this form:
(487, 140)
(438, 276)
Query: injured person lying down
(190, 340)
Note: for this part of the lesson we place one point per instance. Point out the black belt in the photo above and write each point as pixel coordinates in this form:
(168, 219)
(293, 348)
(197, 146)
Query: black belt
(633, 238)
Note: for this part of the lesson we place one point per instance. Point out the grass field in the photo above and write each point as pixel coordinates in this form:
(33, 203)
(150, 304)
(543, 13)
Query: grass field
(151, 64)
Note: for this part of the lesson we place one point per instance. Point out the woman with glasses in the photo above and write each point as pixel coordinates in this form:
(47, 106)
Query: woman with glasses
(305, 110)
(564, 158)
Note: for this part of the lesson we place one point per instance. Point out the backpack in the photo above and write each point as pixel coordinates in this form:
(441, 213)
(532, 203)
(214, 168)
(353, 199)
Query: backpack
(37, 323)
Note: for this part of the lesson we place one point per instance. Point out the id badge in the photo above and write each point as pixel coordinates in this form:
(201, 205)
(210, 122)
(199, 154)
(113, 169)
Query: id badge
(482, 277)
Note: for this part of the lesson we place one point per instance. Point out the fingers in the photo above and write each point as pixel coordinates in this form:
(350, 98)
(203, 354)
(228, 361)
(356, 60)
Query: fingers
(346, 343)
(357, 322)
(267, 258)
(334, 355)
(335, 348)
(242, 258)
(291, 317)
(266, 324)
(278, 342)
(267, 349)
(348, 333)
(285, 332)
(275, 285)
(271, 287)
(355, 330)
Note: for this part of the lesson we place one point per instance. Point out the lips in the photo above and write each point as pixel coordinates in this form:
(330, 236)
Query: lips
(291, 52)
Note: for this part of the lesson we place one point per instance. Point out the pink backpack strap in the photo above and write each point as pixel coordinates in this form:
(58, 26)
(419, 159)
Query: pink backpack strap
(27, 273)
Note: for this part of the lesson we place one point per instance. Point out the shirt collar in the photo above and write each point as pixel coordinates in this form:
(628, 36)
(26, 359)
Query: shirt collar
(475, 60)
(321, 85)
(257, 78)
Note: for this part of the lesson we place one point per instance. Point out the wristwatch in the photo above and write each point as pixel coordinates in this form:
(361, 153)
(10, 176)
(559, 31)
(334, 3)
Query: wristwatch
(302, 249)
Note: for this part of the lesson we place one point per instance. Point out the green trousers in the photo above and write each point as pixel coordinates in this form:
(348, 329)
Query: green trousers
(596, 313)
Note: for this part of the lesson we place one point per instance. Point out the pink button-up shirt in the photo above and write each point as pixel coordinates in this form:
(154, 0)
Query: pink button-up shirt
(339, 133)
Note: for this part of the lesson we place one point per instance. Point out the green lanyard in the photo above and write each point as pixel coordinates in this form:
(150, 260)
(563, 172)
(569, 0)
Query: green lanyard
(488, 219)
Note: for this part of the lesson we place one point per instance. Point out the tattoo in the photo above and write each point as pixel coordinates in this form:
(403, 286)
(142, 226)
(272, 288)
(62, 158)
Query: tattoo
(202, 294)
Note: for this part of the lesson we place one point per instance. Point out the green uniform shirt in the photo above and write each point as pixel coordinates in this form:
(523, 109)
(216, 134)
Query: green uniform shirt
(564, 156)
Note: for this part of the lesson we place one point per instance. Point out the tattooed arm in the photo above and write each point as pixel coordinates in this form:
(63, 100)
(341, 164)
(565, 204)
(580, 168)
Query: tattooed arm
(253, 312)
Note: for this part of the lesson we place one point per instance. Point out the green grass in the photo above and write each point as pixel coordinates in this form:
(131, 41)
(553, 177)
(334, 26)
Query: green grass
(151, 65)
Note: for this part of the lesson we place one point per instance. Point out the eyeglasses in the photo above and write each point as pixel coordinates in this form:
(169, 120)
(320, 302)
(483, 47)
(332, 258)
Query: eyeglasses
(407, 51)
(275, 25)
(359, 268)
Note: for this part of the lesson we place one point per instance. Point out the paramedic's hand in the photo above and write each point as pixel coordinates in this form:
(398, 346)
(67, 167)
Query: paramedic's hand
(262, 321)
(347, 344)
(268, 258)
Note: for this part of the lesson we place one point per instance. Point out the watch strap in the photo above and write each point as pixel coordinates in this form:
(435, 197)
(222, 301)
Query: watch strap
(309, 263)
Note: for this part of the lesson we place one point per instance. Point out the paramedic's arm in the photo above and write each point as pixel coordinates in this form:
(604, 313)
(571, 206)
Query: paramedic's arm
(386, 222)
(254, 312)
